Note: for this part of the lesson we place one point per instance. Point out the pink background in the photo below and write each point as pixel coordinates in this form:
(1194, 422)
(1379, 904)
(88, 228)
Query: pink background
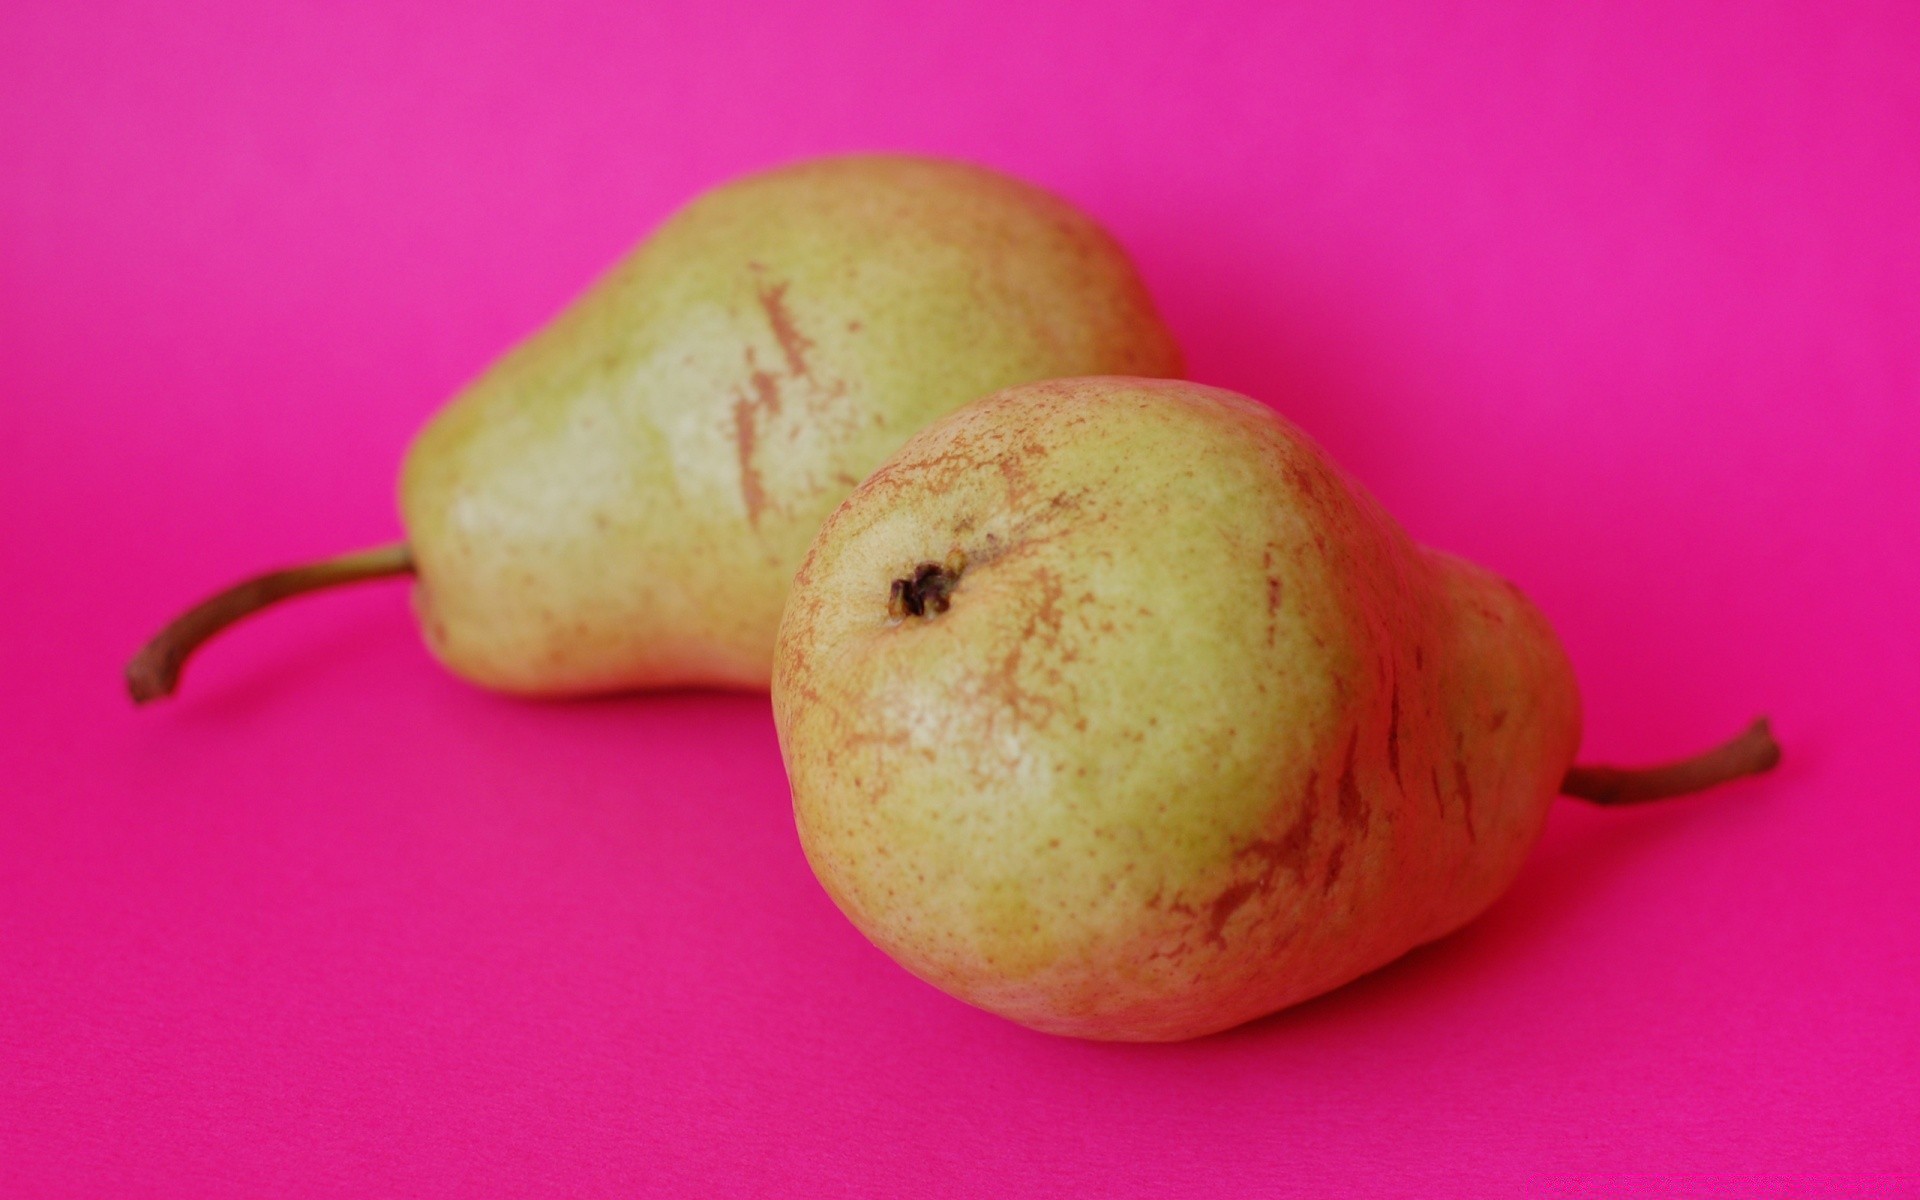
(1622, 302)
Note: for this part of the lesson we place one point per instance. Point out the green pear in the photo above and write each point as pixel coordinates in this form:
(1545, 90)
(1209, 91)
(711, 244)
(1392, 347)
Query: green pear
(621, 501)
(1112, 707)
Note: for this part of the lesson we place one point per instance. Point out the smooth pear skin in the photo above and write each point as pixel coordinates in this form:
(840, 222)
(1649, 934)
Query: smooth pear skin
(1202, 733)
(622, 500)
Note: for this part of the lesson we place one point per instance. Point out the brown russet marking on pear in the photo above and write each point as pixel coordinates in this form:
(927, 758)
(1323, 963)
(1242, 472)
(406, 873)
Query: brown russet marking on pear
(1291, 849)
(1224, 906)
(1013, 469)
(1336, 860)
(1004, 680)
(745, 434)
(936, 474)
(754, 412)
(898, 738)
(793, 344)
(1273, 595)
(1465, 784)
(1302, 479)
(1353, 806)
(750, 415)
(766, 388)
(1288, 852)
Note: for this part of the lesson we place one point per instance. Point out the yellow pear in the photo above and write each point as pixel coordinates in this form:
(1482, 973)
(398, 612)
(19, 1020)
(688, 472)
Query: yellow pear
(620, 502)
(1111, 706)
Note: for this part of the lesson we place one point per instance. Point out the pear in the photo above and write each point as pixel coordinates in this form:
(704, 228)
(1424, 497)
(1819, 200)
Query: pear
(1112, 707)
(621, 501)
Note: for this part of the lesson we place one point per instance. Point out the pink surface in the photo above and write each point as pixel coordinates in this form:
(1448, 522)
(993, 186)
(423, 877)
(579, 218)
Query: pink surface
(1622, 302)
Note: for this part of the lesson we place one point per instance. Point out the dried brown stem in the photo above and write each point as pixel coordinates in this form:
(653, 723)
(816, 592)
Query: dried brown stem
(1751, 753)
(155, 671)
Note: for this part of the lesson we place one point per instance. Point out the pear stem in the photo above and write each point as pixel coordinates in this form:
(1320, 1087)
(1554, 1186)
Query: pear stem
(155, 671)
(1753, 752)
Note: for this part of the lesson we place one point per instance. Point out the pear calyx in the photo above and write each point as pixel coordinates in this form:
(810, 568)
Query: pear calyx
(926, 592)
